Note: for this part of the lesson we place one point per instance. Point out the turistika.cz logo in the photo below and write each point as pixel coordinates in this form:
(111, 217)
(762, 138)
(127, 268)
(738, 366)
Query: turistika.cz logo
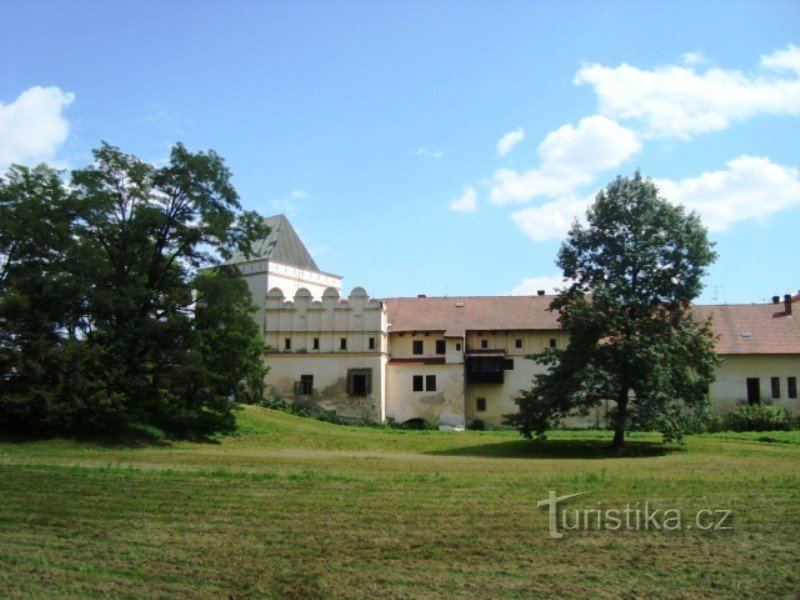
(634, 517)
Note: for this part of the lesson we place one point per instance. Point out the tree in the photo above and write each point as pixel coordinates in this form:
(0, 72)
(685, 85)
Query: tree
(107, 287)
(635, 268)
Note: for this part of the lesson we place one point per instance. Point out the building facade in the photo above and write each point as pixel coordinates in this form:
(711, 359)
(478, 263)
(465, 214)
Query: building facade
(456, 360)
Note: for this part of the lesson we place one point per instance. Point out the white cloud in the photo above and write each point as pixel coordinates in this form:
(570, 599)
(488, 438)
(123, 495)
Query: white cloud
(553, 219)
(530, 286)
(288, 205)
(570, 157)
(751, 188)
(467, 202)
(678, 101)
(788, 59)
(693, 59)
(32, 126)
(506, 143)
(423, 151)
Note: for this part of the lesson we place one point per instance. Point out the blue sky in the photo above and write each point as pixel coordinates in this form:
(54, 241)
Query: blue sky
(435, 147)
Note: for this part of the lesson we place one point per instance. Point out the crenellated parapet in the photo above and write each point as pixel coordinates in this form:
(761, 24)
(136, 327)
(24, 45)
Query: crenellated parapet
(355, 323)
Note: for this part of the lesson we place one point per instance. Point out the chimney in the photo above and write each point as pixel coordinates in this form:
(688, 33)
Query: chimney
(787, 302)
(776, 299)
(540, 292)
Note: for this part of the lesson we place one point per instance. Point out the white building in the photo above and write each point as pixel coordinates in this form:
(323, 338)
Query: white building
(453, 360)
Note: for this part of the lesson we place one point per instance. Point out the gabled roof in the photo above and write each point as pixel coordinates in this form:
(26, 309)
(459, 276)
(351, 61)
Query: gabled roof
(457, 314)
(766, 327)
(753, 328)
(282, 245)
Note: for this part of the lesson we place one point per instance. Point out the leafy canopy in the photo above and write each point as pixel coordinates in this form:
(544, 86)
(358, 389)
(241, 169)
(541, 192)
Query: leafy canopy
(635, 347)
(115, 304)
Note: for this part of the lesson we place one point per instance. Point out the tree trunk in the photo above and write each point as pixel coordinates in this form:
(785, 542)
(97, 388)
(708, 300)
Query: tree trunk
(619, 421)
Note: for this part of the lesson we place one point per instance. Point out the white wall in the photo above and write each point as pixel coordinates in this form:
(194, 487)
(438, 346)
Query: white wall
(730, 387)
(303, 319)
(444, 406)
(330, 382)
(263, 275)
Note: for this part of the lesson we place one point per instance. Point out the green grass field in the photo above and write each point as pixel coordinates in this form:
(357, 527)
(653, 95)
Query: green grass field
(293, 507)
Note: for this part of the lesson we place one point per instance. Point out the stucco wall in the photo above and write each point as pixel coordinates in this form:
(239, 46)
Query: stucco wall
(730, 387)
(402, 346)
(444, 406)
(263, 275)
(330, 382)
(303, 319)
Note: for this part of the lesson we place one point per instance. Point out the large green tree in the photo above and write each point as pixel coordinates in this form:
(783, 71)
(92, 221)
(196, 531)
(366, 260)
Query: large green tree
(634, 347)
(116, 305)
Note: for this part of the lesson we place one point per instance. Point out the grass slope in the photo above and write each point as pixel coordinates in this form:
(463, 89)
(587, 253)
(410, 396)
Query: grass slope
(293, 507)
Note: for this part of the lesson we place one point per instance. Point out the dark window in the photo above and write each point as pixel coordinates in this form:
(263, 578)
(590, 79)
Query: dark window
(508, 364)
(372, 343)
(441, 347)
(791, 384)
(342, 343)
(484, 343)
(316, 343)
(480, 404)
(359, 382)
(485, 369)
(416, 347)
(287, 343)
(304, 387)
(416, 383)
(776, 387)
(552, 342)
(458, 346)
(430, 383)
(753, 390)
(518, 343)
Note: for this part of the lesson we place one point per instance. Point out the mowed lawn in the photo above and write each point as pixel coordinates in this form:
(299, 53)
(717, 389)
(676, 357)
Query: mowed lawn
(293, 507)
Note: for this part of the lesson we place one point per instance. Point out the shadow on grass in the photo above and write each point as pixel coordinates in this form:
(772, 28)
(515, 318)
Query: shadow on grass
(135, 436)
(561, 449)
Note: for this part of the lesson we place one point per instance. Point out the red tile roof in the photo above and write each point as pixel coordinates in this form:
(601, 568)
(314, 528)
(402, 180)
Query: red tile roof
(770, 330)
(459, 313)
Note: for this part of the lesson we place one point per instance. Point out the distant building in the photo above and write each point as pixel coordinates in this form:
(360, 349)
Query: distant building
(454, 360)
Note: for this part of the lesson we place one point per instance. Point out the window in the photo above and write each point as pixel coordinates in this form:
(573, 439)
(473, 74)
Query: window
(776, 387)
(518, 343)
(480, 404)
(458, 346)
(508, 364)
(359, 382)
(552, 342)
(753, 390)
(342, 343)
(791, 384)
(304, 387)
(416, 347)
(484, 343)
(372, 343)
(417, 383)
(287, 343)
(316, 343)
(441, 347)
(430, 383)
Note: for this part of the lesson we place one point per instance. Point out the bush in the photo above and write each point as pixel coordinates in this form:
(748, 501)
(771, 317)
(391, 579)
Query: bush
(755, 418)
(477, 425)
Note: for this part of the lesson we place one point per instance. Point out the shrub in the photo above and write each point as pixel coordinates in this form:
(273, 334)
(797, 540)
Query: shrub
(755, 418)
(477, 425)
